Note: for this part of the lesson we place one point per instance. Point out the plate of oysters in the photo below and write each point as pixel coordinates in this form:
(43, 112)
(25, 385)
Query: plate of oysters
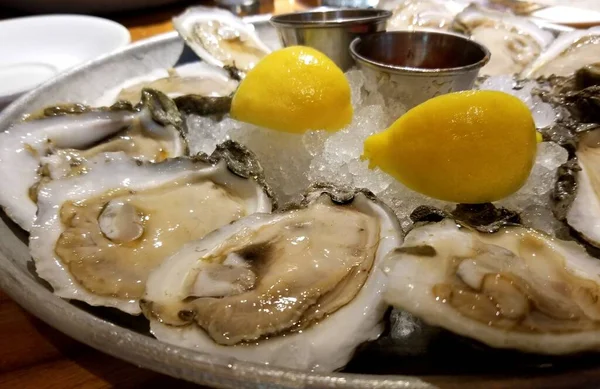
(213, 206)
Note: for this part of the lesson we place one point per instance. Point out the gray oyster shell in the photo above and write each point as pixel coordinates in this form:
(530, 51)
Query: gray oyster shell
(482, 217)
(203, 105)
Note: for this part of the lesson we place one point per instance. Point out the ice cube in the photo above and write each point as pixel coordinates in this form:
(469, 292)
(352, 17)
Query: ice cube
(541, 218)
(282, 155)
(539, 185)
(205, 133)
(293, 161)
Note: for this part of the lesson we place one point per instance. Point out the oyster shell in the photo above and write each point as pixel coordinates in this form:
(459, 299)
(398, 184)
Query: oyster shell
(197, 78)
(513, 41)
(516, 288)
(569, 52)
(220, 38)
(204, 105)
(99, 235)
(587, 76)
(300, 288)
(64, 137)
(423, 14)
(583, 212)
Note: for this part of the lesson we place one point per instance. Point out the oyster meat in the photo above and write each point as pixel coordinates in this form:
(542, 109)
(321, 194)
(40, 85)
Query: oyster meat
(423, 14)
(58, 144)
(220, 38)
(513, 41)
(516, 288)
(300, 288)
(569, 52)
(197, 78)
(98, 236)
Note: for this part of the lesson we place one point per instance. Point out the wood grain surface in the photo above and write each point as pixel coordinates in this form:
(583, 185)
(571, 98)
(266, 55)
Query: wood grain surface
(34, 355)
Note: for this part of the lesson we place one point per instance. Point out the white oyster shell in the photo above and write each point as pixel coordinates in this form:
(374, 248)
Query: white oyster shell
(184, 218)
(324, 346)
(198, 78)
(220, 38)
(569, 52)
(513, 41)
(516, 288)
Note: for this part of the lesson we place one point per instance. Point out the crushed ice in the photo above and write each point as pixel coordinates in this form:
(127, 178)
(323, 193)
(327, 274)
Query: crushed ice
(291, 161)
(543, 113)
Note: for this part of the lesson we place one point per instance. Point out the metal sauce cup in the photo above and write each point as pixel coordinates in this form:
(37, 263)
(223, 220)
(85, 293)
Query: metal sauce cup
(329, 31)
(418, 65)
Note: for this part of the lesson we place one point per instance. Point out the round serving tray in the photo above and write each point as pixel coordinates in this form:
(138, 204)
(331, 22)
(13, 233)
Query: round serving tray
(131, 342)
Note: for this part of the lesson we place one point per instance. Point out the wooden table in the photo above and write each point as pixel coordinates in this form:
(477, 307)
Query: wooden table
(34, 355)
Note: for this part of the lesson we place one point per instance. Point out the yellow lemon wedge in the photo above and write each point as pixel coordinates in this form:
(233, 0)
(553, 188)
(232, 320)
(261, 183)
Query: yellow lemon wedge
(465, 147)
(295, 89)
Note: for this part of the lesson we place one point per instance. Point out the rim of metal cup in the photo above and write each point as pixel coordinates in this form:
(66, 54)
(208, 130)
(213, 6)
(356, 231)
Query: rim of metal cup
(339, 17)
(416, 71)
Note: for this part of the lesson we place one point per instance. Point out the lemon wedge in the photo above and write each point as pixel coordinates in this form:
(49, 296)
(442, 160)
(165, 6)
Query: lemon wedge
(465, 147)
(295, 89)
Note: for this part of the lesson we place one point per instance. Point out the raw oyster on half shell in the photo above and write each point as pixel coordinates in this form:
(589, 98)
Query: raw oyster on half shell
(513, 41)
(578, 188)
(569, 52)
(59, 142)
(300, 288)
(220, 38)
(196, 78)
(516, 288)
(576, 194)
(423, 14)
(98, 236)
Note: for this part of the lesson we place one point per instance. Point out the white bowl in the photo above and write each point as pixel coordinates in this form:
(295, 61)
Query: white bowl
(34, 49)
(83, 6)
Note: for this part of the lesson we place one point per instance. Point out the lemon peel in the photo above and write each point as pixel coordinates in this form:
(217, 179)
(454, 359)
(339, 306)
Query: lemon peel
(464, 147)
(295, 89)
